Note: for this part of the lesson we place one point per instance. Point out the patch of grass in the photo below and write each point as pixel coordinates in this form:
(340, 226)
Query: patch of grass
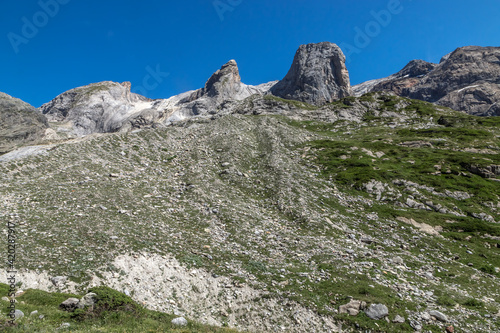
(446, 301)
(43, 298)
(461, 134)
(256, 267)
(114, 312)
(421, 108)
(488, 269)
(297, 104)
(192, 260)
(473, 303)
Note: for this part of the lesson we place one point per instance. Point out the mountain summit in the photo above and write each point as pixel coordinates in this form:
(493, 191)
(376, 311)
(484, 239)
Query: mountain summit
(318, 75)
(468, 79)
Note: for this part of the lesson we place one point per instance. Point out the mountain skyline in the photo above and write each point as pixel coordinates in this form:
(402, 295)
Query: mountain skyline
(52, 46)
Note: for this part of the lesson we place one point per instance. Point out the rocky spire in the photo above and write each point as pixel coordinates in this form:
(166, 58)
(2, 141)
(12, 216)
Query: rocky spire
(318, 75)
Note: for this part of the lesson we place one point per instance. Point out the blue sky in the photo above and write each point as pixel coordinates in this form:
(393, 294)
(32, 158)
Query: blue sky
(168, 47)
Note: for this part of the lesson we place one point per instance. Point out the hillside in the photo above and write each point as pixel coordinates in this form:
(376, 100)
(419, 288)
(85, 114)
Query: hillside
(20, 124)
(273, 217)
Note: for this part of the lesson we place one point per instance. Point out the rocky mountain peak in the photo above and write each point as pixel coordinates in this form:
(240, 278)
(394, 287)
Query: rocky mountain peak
(96, 108)
(416, 68)
(224, 81)
(318, 75)
(466, 79)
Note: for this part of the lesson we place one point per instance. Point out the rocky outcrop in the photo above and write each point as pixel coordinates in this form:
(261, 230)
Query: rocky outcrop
(410, 75)
(100, 108)
(20, 123)
(467, 79)
(406, 78)
(318, 75)
(221, 94)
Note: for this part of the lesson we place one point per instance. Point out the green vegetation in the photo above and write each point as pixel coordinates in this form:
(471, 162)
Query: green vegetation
(114, 312)
(297, 104)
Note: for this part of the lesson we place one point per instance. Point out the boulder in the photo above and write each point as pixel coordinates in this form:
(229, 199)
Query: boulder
(438, 315)
(352, 308)
(181, 321)
(377, 311)
(88, 300)
(70, 305)
(18, 314)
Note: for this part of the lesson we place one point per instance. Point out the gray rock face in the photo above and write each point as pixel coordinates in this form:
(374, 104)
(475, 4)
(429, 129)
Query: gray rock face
(58, 280)
(318, 75)
(101, 108)
(468, 79)
(377, 311)
(20, 123)
(409, 76)
(221, 94)
(406, 78)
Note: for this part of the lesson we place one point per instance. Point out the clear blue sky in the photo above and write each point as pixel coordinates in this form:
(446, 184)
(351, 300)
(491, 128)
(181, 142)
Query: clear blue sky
(85, 41)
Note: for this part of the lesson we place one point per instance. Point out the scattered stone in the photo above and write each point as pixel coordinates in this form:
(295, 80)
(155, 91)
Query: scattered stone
(398, 260)
(181, 321)
(58, 280)
(450, 329)
(33, 313)
(352, 308)
(438, 315)
(417, 326)
(63, 326)
(367, 240)
(70, 305)
(377, 311)
(18, 314)
(425, 316)
(398, 319)
(88, 300)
